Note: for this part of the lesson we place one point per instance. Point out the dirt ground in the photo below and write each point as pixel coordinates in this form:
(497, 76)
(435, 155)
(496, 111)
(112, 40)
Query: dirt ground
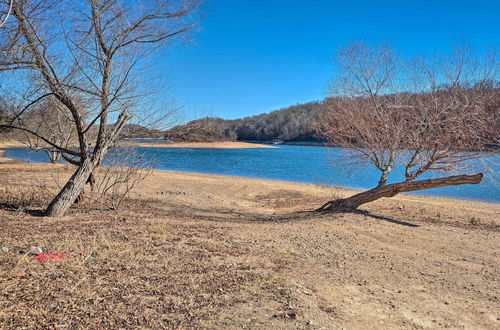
(205, 251)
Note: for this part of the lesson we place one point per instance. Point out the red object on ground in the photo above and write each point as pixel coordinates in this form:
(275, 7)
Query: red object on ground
(50, 256)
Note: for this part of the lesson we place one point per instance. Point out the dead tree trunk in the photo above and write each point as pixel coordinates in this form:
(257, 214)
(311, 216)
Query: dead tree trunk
(352, 203)
(71, 190)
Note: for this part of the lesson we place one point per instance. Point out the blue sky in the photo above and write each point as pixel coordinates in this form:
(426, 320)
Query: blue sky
(249, 57)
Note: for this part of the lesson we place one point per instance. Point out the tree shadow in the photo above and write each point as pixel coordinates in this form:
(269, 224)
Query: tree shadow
(225, 214)
(391, 220)
(308, 214)
(18, 209)
(242, 216)
(221, 215)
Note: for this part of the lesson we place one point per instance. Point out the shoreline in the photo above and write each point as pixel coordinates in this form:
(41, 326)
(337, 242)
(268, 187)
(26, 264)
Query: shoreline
(9, 144)
(199, 145)
(346, 191)
(233, 180)
(6, 161)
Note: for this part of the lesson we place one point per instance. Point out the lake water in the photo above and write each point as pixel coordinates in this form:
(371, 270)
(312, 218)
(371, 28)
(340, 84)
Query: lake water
(307, 164)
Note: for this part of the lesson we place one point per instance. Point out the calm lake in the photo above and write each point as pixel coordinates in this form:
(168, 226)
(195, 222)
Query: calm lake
(307, 164)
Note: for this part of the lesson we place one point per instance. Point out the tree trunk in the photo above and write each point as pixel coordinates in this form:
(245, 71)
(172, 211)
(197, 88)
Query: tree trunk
(71, 190)
(352, 203)
(54, 155)
(91, 182)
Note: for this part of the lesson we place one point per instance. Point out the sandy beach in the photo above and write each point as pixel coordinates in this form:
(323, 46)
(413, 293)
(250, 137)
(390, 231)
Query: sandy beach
(208, 251)
(199, 145)
(4, 144)
(10, 144)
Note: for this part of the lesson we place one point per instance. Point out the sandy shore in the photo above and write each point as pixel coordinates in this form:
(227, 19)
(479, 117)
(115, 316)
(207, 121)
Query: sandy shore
(208, 251)
(200, 145)
(10, 144)
(4, 144)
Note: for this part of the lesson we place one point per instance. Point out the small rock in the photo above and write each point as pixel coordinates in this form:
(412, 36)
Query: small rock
(5, 249)
(36, 250)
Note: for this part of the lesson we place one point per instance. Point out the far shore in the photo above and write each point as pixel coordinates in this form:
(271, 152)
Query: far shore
(4, 144)
(198, 145)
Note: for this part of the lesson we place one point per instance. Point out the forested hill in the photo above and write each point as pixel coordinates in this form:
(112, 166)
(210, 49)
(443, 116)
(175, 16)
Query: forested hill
(293, 123)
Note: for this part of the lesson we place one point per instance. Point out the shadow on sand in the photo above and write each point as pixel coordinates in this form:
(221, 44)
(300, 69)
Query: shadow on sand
(17, 208)
(233, 215)
(224, 215)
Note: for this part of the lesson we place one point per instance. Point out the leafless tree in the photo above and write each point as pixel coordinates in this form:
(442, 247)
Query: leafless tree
(124, 170)
(90, 56)
(4, 19)
(423, 115)
(51, 120)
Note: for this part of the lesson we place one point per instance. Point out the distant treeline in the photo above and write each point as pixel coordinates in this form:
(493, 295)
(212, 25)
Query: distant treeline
(294, 123)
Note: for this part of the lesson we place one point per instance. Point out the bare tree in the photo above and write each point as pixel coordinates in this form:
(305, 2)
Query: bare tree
(52, 121)
(125, 169)
(421, 115)
(90, 56)
(4, 19)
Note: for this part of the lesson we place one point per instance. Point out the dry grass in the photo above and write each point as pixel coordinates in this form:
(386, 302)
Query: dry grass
(23, 200)
(141, 272)
(132, 268)
(125, 270)
(202, 251)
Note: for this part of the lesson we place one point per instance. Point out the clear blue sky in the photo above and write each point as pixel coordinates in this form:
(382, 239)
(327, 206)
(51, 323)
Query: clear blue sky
(254, 56)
